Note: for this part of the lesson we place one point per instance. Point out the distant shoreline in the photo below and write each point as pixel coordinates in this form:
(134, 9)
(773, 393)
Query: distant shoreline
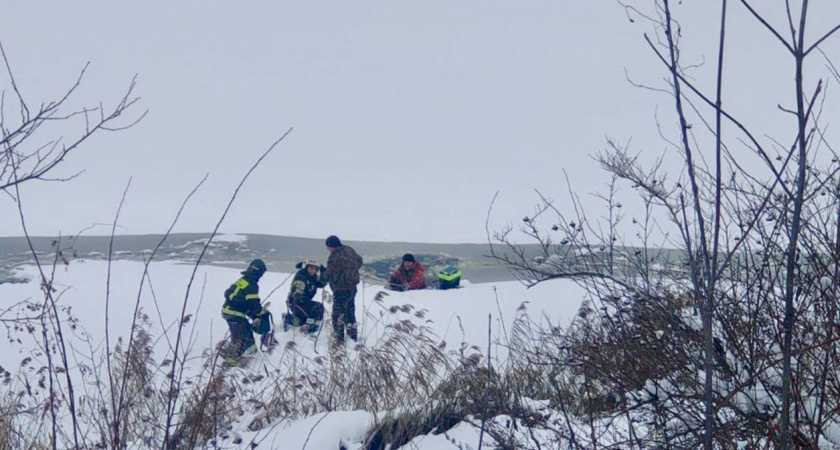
(280, 253)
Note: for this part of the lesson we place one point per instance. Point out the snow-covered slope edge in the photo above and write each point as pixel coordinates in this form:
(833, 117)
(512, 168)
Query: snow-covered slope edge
(412, 344)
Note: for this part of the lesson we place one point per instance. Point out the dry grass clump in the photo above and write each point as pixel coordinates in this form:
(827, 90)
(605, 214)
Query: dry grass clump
(12, 433)
(206, 413)
(470, 390)
(627, 372)
(405, 365)
(134, 378)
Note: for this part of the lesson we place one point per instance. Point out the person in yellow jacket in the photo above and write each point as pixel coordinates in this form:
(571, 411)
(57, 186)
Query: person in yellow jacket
(242, 305)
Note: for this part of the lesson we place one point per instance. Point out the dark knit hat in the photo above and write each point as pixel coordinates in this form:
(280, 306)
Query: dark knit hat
(409, 257)
(333, 242)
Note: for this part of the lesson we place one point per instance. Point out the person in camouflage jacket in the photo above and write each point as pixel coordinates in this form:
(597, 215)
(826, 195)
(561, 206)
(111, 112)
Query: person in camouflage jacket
(342, 274)
(242, 302)
(303, 309)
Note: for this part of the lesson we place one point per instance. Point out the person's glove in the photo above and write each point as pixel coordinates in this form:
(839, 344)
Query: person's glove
(256, 323)
(322, 269)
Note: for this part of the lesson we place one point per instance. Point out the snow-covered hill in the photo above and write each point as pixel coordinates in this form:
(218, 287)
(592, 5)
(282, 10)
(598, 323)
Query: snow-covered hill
(452, 320)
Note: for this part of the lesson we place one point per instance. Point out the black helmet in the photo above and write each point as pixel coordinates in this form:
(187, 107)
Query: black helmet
(257, 267)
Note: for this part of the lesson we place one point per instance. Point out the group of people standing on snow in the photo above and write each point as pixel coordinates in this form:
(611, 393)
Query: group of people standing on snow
(245, 315)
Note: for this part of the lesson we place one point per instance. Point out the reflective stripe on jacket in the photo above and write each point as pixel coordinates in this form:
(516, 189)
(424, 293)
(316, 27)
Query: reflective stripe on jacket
(242, 299)
(303, 290)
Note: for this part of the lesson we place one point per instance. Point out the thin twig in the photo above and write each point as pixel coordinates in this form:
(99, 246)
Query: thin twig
(174, 384)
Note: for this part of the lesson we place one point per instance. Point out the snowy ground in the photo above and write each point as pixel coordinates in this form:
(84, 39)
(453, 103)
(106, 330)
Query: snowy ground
(455, 316)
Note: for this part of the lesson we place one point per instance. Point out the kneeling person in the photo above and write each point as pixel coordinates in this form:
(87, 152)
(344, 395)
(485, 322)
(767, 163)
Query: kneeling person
(303, 310)
(242, 305)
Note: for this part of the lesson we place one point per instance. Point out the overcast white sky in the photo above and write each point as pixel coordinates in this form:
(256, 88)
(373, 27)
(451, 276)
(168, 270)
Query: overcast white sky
(407, 116)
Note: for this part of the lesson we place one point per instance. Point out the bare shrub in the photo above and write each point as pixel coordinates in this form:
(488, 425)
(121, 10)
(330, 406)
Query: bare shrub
(141, 407)
(713, 312)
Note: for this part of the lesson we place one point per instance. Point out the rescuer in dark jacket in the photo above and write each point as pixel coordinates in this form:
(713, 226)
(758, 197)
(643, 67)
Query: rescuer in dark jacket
(242, 305)
(303, 310)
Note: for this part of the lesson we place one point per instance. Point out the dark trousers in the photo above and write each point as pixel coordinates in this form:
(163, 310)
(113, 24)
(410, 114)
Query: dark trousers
(241, 337)
(344, 312)
(307, 310)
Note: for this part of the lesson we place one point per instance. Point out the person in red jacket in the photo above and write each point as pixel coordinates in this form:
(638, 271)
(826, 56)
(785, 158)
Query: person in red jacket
(409, 276)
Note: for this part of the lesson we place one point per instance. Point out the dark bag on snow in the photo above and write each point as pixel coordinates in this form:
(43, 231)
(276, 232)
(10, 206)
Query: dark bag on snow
(265, 324)
(266, 332)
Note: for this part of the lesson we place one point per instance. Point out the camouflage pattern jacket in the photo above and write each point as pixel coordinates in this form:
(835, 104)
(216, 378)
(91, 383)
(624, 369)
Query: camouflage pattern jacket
(343, 269)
